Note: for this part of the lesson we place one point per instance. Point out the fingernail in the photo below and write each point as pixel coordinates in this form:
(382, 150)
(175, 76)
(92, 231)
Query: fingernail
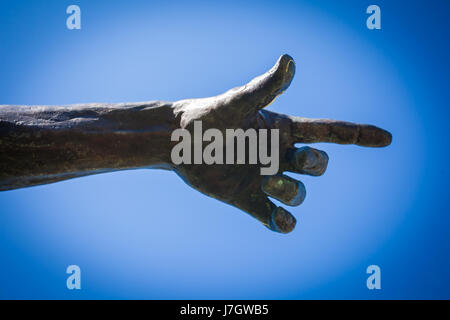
(371, 136)
(282, 221)
(287, 66)
(311, 161)
(284, 189)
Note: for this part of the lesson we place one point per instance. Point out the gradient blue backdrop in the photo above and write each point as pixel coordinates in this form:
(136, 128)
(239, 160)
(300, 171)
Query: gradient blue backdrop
(145, 234)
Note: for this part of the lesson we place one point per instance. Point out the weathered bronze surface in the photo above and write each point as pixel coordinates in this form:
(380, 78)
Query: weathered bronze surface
(45, 144)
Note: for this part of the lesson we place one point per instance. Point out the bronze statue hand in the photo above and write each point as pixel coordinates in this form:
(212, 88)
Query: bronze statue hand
(242, 185)
(45, 144)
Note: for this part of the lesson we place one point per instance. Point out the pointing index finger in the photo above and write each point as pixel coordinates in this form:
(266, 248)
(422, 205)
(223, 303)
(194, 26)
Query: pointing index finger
(306, 130)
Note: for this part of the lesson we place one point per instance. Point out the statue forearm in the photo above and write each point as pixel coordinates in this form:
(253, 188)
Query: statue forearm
(47, 144)
(43, 144)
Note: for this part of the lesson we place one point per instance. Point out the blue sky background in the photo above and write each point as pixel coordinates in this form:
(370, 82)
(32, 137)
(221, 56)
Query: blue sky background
(145, 234)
